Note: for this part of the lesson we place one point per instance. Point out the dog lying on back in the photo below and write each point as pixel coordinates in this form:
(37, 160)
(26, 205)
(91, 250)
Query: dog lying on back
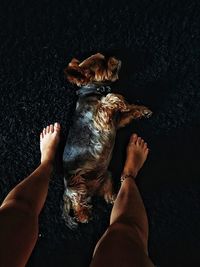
(88, 150)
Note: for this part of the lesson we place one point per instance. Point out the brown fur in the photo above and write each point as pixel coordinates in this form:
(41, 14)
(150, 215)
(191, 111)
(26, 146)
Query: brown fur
(109, 113)
(95, 69)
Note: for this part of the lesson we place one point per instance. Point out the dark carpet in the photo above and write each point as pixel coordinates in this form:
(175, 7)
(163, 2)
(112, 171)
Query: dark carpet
(159, 45)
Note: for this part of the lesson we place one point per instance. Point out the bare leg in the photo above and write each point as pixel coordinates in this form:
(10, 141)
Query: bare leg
(20, 209)
(125, 241)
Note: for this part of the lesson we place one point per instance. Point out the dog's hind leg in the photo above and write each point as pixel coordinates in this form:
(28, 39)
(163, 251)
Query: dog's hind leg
(76, 199)
(106, 189)
(135, 112)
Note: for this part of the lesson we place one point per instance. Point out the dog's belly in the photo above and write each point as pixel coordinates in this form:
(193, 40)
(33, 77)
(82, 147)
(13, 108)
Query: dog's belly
(87, 149)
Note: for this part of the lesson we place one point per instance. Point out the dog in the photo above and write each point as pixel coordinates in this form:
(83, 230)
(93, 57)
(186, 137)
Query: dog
(99, 114)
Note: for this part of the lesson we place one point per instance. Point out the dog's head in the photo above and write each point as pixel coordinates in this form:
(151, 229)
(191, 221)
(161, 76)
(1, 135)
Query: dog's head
(95, 69)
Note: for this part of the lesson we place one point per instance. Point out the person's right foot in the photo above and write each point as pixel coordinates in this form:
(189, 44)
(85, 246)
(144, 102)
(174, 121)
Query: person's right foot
(137, 152)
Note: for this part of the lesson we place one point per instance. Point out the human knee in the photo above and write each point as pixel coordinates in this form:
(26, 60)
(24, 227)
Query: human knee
(19, 206)
(132, 222)
(130, 232)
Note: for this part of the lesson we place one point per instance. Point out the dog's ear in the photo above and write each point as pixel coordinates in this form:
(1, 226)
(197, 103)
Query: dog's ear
(74, 62)
(77, 74)
(73, 72)
(74, 75)
(113, 63)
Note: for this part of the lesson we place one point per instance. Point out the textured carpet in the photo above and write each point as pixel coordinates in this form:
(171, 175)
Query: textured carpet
(158, 43)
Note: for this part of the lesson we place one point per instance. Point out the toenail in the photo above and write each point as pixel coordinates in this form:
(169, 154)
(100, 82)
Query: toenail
(57, 125)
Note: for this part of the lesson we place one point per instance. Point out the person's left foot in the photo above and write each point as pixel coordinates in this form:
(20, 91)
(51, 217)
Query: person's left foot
(49, 139)
(137, 152)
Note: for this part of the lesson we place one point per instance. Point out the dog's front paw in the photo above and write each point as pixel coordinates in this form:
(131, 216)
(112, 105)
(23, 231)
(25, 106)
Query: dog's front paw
(147, 113)
(140, 111)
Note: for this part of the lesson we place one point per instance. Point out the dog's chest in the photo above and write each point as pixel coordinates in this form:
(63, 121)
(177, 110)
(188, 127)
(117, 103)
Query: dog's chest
(87, 148)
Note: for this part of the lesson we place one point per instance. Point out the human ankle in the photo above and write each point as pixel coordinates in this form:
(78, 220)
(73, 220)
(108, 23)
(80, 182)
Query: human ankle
(47, 163)
(131, 172)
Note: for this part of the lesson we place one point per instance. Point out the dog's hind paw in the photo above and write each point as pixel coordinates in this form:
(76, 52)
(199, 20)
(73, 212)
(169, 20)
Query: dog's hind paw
(110, 198)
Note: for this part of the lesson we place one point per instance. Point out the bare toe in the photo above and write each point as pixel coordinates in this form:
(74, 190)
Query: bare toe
(139, 140)
(56, 126)
(51, 128)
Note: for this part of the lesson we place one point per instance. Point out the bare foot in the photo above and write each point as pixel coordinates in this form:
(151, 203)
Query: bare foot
(49, 139)
(137, 152)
